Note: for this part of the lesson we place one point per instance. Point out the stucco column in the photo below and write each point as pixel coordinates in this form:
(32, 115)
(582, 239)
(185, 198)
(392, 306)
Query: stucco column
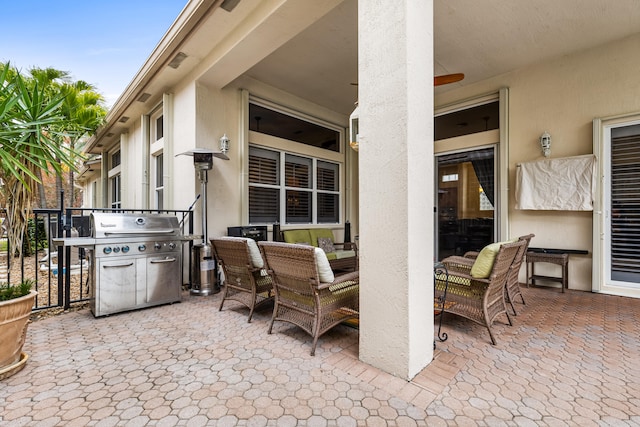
(395, 73)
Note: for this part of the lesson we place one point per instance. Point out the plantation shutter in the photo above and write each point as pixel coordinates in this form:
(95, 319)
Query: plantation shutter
(298, 193)
(328, 186)
(264, 200)
(625, 204)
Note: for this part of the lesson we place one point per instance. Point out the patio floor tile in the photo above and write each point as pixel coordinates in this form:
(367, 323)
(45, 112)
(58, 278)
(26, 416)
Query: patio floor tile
(569, 359)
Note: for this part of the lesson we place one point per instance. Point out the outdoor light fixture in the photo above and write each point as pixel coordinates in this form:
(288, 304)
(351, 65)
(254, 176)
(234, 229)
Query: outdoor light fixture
(545, 144)
(354, 129)
(224, 144)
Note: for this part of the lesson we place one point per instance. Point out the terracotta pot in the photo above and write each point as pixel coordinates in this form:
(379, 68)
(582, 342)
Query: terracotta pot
(14, 318)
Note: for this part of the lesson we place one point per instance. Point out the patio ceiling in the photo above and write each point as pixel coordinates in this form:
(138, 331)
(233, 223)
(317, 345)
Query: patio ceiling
(314, 56)
(481, 39)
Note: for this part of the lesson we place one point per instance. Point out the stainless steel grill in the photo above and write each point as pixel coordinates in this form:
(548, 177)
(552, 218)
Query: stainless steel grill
(136, 260)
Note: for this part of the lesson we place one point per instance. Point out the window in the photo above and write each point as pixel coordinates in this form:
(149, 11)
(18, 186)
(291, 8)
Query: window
(115, 181)
(115, 159)
(159, 129)
(480, 118)
(116, 194)
(307, 188)
(156, 159)
(275, 123)
(159, 181)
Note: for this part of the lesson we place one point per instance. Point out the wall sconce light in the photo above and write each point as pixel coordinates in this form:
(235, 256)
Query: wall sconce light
(224, 143)
(354, 130)
(545, 144)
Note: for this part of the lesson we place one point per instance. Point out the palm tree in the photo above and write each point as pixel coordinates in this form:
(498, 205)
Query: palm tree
(32, 125)
(85, 109)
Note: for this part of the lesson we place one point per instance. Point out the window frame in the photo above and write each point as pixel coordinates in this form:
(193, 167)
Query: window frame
(115, 179)
(280, 145)
(156, 149)
(285, 188)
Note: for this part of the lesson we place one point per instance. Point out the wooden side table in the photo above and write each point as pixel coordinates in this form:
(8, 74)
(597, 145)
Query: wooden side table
(561, 259)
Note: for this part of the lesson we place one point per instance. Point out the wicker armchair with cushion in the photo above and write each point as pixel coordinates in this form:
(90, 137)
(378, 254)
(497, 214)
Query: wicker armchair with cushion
(245, 279)
(307, 292)
(476, 290)
(513, 283)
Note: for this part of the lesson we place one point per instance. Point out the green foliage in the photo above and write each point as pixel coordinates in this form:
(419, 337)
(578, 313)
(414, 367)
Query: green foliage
(30, 245)
(43, 120)
(8, 292)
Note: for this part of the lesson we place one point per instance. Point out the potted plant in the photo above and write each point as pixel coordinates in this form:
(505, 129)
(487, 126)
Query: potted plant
(16, 302)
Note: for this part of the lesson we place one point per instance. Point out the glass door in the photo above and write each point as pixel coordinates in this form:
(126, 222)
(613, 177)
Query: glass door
(465, 213)
(622, 230)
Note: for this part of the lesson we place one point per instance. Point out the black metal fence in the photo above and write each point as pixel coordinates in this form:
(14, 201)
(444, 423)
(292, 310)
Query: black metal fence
(62, 275)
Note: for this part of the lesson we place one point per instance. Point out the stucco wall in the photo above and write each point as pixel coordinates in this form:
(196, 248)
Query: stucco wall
(562, 97)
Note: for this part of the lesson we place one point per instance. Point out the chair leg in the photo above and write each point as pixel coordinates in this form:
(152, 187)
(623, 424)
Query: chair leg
(522, 296)
(512, 306)
(223, 298)
(273, 316)
(493, 340)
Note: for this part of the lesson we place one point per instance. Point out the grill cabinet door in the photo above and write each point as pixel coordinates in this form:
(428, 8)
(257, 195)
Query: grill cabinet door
(116, 290)
(163, 279)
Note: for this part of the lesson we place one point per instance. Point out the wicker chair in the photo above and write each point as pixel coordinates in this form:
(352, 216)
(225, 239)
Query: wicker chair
(513, 283)
(308, 295)
(245, 279)
(478, 299)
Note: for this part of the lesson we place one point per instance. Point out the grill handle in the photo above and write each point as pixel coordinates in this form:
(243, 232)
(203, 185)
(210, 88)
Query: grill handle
(140, 233)
(117, 266)
(163, 260)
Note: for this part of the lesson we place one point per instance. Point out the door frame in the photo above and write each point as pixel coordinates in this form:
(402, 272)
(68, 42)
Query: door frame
(601, 275)
(499, 137)
(484, 136)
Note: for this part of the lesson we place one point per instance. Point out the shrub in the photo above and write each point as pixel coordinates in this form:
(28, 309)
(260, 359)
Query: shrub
(8, 292)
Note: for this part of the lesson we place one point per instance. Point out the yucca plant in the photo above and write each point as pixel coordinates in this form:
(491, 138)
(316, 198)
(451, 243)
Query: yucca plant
(36, 121)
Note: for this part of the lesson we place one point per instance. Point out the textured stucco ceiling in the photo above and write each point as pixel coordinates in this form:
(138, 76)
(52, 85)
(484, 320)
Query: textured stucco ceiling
(481, 39)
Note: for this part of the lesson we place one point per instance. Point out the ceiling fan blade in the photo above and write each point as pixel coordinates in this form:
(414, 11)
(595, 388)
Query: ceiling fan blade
(448, 78)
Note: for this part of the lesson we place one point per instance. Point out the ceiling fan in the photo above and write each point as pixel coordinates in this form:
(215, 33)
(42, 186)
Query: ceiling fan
(447, 78)
(441, 80)
(353, 119)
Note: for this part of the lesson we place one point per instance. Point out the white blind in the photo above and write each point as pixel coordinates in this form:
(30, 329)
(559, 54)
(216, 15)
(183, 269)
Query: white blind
(625, 208)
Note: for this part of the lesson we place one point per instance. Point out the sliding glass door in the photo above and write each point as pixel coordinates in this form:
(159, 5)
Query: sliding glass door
(465, 206)
(623, 198)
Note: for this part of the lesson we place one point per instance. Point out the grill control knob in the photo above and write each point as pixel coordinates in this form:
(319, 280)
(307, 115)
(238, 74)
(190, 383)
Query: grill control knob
(142, 248)
(107, 250)
(172, 245)
(125, 249)
(157, 246)
(116, 250)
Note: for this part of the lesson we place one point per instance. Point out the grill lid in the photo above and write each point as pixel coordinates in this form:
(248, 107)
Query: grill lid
(109, 224)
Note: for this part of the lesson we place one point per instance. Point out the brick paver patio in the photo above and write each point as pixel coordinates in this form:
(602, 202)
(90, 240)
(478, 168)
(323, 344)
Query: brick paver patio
(570, 359)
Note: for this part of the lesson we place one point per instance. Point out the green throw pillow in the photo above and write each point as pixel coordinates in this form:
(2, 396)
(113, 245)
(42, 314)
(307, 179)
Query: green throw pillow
(483, 265)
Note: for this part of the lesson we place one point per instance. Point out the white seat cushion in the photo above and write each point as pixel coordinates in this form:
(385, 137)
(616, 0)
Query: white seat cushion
(325, 273)
(254, 251)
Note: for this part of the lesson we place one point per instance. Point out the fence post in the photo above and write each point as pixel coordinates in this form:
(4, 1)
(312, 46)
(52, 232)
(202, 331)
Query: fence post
(67, 260)
(60, 256)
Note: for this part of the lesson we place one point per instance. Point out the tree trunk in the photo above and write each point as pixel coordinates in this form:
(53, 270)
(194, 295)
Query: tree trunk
(41, 193)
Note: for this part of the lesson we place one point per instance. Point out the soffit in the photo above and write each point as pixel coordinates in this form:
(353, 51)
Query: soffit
(481, 39)
(314, 56)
